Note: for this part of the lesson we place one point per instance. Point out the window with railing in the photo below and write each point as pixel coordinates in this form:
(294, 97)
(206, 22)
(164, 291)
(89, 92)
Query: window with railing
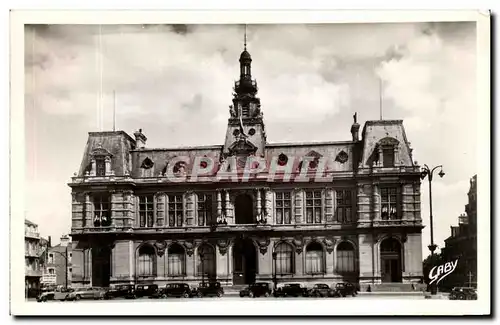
(102, 213)
(314, 206)
(389, 203)
(283, 207)
(175, 210)
(146, 211)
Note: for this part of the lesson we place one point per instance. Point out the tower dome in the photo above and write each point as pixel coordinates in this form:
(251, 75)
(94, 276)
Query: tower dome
(245, 56)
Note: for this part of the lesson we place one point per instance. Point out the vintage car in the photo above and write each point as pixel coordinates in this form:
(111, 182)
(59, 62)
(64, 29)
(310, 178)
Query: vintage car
(178, 290)
(87, 293)
(60, 294)
(291, 290)
(321, 290)
(463, 293)
(141, 290)
(344, 289)
(207, 289)
(158, 294)
(119, 291)
(256, 290)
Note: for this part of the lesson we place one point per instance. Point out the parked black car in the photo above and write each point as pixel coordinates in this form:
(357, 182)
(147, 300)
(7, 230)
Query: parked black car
(291, 290)
(344, 289)
(321, 290)
(256, 290)
(208, 289)
(178, 290)
(158, 294)
(463, 293)
(119, 291)
(141, 290)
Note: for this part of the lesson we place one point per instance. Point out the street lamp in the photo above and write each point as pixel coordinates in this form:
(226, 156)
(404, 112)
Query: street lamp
(426, 171)
(275, 280)
(202, 269)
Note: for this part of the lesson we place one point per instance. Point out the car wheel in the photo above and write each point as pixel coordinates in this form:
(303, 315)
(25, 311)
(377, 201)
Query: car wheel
(185, 295)
(78, 297)
(251, 295)
(241, 295)
(219, 294)
(199, 294)
(461, 297)
(44, 299)
(266, 294)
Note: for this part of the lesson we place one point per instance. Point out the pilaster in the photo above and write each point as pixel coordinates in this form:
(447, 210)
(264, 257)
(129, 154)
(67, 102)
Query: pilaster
(328, 205)
(298, 204)
(268, 194)
(190, 213)
(88, 210)
(160, 209)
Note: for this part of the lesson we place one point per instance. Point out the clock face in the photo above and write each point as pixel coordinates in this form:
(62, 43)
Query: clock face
(251, 131)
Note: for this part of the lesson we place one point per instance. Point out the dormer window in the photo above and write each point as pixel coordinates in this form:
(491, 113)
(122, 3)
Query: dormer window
(388, 156)
(100, 166)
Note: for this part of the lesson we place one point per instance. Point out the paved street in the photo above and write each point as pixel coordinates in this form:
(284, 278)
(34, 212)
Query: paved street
(359, 297)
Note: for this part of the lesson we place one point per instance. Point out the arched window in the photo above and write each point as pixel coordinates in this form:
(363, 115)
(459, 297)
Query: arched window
(284, 259)
(315, 258)
(345, 258)
(206, 261)
(176, 260)
(146, 262)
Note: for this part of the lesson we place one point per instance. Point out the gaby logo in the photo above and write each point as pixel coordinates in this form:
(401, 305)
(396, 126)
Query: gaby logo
(438, 273)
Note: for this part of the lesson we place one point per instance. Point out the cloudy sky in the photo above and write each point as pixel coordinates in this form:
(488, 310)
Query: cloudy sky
(175, 82)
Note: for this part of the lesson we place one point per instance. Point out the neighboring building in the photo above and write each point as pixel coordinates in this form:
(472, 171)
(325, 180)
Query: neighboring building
(56, 267)
(462, 244)
(133, 222)
(32, 252)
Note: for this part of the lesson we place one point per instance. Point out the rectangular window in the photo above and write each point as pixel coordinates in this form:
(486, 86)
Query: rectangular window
(51, 258)
(283, 208)
(314, 205)
(102, 215)
(344, 206)
(388, 157)
(390, 202)
(146, 211)
(100, 166)
(175, 210)
(204, 209)
(51, 271)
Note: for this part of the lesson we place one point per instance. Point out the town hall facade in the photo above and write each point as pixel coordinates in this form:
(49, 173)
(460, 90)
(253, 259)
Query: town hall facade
(133, 223)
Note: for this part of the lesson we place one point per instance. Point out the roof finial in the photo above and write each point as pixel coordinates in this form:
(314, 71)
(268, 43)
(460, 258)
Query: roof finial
(245, 37)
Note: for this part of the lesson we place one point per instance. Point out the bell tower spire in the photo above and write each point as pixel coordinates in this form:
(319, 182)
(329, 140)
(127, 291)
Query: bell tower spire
(245, 125)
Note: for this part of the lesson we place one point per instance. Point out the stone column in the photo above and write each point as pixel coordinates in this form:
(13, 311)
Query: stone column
(328, 205)
(219, 204)
(77, 210)
(116, 208)
(259, 203)
(89, 220)
(376, 201)
(160, 209)
(190, 265)
(299, 263)
(229, 208)
(268, 194)
(222, 255)
(298, 204)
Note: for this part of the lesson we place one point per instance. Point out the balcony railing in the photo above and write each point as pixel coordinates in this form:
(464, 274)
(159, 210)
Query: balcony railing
(31, 234)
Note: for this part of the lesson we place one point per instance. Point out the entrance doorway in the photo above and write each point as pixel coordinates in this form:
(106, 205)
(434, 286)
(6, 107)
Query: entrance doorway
(244, 209)
(390, 260)
(101, 266)
(244, 261)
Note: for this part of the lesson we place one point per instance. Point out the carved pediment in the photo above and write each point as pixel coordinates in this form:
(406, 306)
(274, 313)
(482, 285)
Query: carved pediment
(100, 151)
(388, 141)
(242, 146)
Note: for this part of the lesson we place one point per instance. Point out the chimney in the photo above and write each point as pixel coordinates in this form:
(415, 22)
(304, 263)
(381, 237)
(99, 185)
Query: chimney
(64, 240)
(50, 242)
(355, 128)
(140, 139)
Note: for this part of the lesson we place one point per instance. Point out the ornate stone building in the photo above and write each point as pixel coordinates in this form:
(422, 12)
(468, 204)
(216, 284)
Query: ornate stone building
(132, 222)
